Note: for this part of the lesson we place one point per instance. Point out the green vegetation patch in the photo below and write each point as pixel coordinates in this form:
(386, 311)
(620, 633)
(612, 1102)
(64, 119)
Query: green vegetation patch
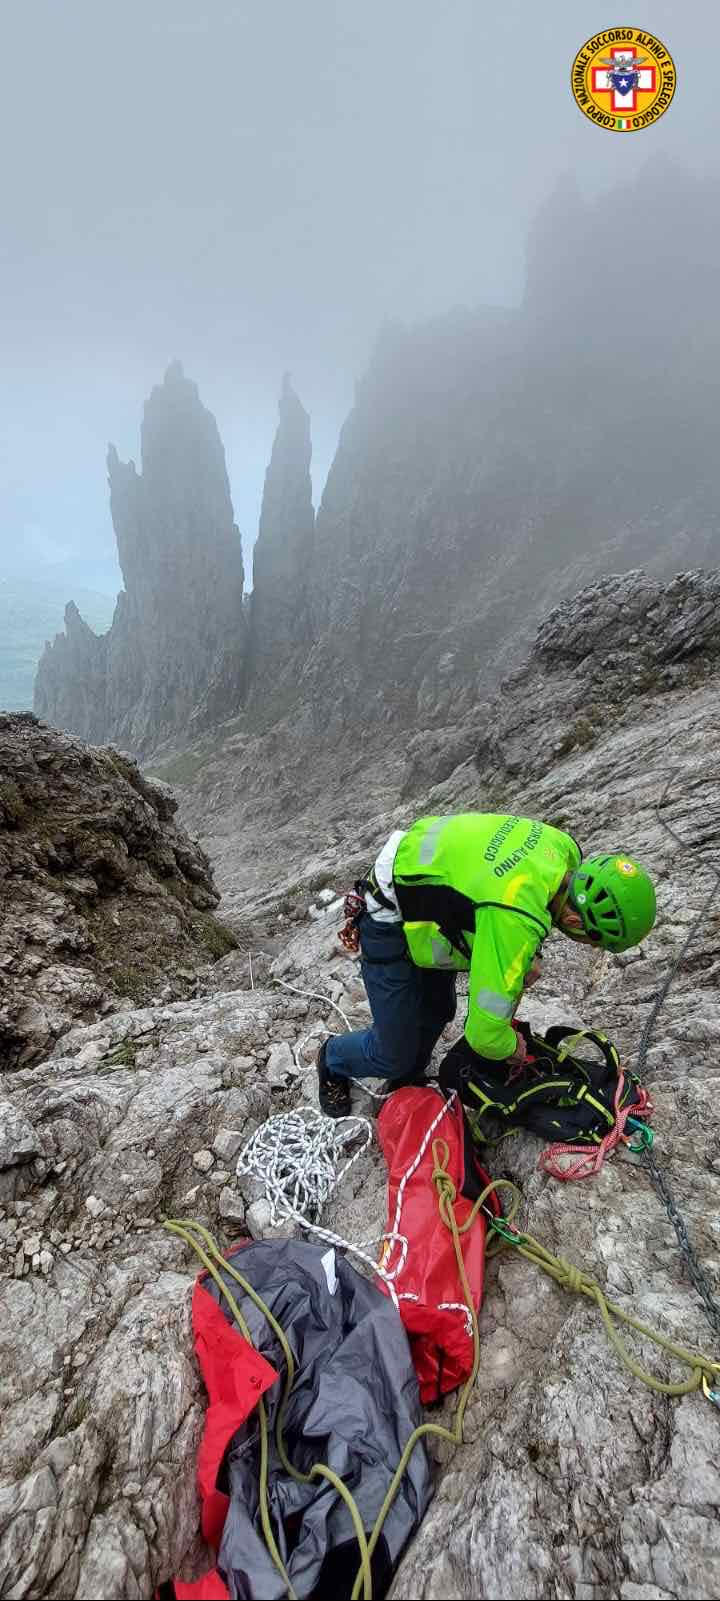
(216, 937)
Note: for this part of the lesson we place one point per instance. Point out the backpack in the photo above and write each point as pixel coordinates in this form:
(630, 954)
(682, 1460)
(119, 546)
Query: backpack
(558, 1093)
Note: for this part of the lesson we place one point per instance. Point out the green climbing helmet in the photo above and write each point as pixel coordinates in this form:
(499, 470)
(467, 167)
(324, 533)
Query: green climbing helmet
(615, 898)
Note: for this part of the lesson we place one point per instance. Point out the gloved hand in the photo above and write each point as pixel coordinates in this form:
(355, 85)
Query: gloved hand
(457, 1066)
(519, 1055)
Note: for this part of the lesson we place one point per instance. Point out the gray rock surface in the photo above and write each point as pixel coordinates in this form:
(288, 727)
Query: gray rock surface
(280, 631)
(181, 559)
(574, 1480)
(100, 1398)
(103, 894)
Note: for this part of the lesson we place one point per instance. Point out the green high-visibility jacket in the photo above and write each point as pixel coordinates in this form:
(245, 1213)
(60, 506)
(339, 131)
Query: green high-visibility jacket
(473, 891)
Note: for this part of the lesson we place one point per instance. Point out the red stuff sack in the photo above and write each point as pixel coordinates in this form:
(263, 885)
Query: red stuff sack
(236, 1376)
(429, 1292)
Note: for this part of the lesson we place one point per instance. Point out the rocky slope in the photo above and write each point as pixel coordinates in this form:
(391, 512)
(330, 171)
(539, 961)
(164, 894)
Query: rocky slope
(280, 624)
(103, 895)
(493, 462)
(181, 559)
(574, 1481)
(627, 641)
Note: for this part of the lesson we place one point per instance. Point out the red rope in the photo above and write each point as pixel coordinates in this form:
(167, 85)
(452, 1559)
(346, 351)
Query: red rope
(589, 1162)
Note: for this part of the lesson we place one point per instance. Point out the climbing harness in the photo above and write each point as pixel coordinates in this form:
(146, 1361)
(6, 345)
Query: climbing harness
(696, 1271)
(355, 906)
(587, 1164)
(557, 1091)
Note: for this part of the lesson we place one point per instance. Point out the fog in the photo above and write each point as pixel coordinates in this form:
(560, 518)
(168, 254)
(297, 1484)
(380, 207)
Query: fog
(259, 188)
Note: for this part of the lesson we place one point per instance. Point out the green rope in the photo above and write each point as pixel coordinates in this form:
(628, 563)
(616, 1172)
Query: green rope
(573, 1279)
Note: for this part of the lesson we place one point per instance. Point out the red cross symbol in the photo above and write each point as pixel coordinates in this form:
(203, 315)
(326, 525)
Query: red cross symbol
(645, 80)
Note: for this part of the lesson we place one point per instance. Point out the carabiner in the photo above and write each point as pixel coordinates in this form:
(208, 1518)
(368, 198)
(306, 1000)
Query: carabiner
(646, 1135)
(507, 1231)
(712, 1395)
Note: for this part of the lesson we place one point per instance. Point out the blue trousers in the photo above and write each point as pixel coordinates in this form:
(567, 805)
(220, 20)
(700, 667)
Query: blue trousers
(410, 1008)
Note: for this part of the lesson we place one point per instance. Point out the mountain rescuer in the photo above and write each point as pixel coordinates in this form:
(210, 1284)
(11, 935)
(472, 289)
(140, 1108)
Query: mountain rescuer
(471, 893)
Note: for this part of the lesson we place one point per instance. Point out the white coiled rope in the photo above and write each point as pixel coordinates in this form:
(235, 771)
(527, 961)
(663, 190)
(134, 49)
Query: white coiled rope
(295, 1157)
(298, 1158)
(316, 995)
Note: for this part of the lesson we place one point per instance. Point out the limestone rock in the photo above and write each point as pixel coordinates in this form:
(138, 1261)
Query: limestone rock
(280, 1066)
(257, 1219)
(231, 1205)
(226, 1143)
(259, 1224)
(102, 892)
(181, 559)
(280, 617)
(574, 1480)
(203, 1161)
(18, 1139)
(99, 1389)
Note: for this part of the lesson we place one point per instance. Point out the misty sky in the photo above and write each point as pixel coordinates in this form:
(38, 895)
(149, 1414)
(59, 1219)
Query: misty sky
(254, 187)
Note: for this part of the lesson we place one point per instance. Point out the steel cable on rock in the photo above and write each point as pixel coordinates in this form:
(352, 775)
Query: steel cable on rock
(696, 1271)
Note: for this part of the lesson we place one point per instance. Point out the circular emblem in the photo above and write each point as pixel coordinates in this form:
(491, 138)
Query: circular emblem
(623, 79)
(581, 899)
(626, 867)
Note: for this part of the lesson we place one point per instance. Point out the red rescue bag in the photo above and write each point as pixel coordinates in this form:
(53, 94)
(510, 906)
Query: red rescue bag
(429, 1293)
(235, 1375)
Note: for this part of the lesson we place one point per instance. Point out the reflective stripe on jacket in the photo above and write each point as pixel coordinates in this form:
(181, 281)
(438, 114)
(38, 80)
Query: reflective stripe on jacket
(474, 890)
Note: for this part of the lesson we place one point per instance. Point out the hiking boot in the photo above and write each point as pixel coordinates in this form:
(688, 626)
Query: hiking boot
(334, 1092)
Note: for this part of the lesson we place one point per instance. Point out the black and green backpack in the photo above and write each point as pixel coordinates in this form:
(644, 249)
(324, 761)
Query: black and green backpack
(557, 1093)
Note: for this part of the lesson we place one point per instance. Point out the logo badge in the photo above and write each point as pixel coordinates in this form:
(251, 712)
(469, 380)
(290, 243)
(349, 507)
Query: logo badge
(626, 867)
(623, 79)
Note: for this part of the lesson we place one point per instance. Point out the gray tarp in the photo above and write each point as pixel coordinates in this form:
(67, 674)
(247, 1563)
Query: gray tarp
(353, 1406)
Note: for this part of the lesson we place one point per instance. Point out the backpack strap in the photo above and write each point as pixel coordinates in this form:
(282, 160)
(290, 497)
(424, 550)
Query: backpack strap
(555, 1036)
